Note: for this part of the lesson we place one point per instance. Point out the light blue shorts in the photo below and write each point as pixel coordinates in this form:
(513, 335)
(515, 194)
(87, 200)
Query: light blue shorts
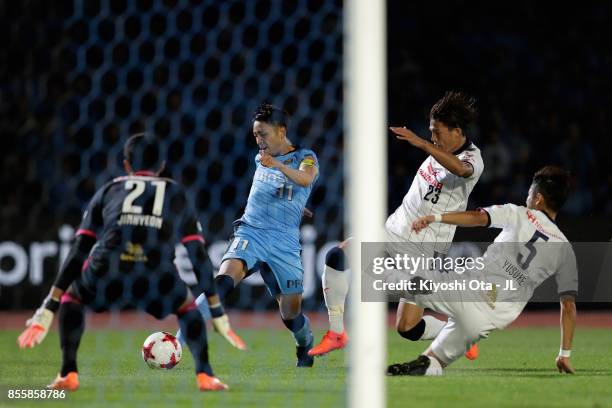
(277, 255)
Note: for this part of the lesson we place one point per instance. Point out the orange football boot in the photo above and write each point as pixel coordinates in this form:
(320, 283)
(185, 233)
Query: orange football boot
(209, 383)
(70, 382)
(330, 342)
(472, 353)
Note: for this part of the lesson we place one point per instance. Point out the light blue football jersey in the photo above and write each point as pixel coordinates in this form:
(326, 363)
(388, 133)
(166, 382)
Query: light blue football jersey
(275, 202)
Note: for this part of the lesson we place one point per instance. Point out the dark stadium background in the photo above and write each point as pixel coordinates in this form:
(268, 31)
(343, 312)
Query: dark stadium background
(77, 77)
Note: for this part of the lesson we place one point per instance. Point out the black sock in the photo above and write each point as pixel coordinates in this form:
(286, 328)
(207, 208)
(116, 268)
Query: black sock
(194, 331)
(415, 333)
(71, 328)
(296, 323)
(300, 328)
(225, 284)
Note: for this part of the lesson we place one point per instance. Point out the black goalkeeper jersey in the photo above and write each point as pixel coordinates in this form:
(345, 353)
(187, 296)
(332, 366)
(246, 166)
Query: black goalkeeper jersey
(139, 219)
(124, 251)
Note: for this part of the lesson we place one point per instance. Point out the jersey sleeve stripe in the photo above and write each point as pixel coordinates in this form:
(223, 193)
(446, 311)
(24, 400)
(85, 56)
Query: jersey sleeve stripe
(68, 297)
(186, 308)
(193, 237)
(89, 233)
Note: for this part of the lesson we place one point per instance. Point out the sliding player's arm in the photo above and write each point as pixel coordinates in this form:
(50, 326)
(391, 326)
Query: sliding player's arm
(496, 216)
(567, 287)
(568, 325)
(38, 325)
(462, 219)
(304, 176)
(448, 160)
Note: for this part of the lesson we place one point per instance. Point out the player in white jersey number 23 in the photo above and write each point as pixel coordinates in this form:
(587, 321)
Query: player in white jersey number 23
(443, 182)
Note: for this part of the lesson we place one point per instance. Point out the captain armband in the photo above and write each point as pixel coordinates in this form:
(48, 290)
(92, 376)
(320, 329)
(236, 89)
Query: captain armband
(307, 162)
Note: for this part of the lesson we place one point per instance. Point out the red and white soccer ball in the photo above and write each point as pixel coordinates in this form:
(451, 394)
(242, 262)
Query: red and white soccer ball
(161, 350)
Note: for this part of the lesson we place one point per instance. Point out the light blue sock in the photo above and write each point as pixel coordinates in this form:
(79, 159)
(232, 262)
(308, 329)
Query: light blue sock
(202, 304)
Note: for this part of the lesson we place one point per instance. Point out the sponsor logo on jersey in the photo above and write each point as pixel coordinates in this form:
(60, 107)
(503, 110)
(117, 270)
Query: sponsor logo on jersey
(432, 171)
(532, 218)
(269, 177)
(430, 179)
(133, 253)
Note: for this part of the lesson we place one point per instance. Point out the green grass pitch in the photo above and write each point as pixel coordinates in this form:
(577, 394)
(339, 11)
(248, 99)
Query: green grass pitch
(515, 368)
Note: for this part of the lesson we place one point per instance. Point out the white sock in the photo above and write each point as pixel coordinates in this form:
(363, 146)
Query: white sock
(335, 289)
(435, 368)
(432, 327)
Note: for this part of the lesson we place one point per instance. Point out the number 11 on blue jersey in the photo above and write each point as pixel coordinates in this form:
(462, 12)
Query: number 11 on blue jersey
(281, 191)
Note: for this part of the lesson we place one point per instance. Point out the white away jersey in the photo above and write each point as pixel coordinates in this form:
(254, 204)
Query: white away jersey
(529, 250)
(435, 190)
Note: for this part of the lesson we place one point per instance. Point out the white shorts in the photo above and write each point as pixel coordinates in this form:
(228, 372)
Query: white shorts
(457, 336)
(468, 321)
(396, 244)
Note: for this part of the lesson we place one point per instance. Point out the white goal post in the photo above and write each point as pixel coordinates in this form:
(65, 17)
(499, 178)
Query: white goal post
(365, 107)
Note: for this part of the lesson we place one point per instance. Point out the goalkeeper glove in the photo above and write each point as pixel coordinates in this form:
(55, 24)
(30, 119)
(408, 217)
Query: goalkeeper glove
(222, 326)
(38, 325)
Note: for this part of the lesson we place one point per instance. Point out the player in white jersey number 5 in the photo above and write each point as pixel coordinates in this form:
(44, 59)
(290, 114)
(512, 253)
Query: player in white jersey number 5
(529, 249)
(443, 183)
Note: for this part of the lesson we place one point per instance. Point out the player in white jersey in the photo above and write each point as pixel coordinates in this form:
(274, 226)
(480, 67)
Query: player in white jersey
(443, 183)
(529, 249)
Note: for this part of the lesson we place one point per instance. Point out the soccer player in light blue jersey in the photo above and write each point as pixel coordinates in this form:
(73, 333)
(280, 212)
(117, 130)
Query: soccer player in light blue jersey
(267, 235)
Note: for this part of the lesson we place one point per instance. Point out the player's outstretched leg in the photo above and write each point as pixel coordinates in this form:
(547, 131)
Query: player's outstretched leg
(412, 325)
(193, 327)
(71, 328)
(299, 325)
(407, 315)
(335, 289)
(447, 347)
(226, 283)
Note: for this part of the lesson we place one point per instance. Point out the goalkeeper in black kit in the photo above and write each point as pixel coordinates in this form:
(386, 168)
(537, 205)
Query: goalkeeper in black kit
(123, 257)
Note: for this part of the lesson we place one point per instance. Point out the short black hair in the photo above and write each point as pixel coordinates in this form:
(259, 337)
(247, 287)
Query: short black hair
(272, 115)
(456, 110)
(554, 184)
(142, 152)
